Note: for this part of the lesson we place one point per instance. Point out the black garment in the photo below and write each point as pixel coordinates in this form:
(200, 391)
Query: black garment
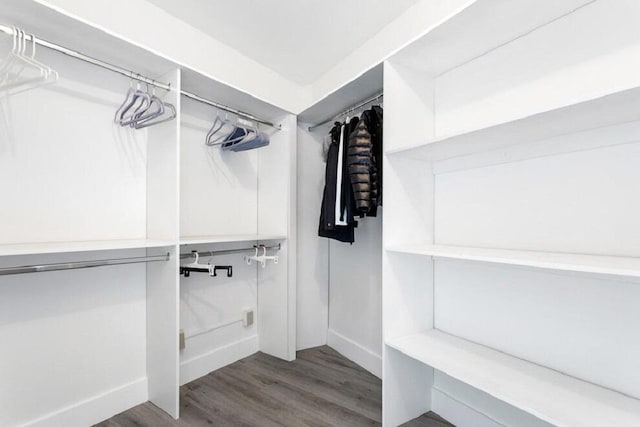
(365, 162)
(327, 227)
(362, 168)
(374, 121)
(347, 203)
(360, 175)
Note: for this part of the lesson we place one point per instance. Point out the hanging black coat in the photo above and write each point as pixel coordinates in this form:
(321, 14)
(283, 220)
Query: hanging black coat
(327, 227)
(365, 162)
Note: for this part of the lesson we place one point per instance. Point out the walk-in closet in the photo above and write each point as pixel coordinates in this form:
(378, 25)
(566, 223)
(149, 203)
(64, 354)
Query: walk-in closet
(305, 213)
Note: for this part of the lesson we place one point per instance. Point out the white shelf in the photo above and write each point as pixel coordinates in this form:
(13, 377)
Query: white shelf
(547, 394)
(82, 246)
(618, 266)
(608, 110)
(468, 33)
(365, 86)
(197, 240)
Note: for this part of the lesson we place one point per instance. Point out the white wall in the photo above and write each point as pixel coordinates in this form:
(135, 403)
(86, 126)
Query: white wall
(71, 338)
(355, 296)
(223, 193)
(61, 153)
(218, 196)
(543, 70)
(184, 45)
(313, 251)
(412, 24)
(218, 189)
(230, 67)
(208, 302)
(339, 285)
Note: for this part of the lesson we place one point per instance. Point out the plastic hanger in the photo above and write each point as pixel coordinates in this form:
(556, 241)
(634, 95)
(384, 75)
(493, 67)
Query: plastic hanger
(48, 75)
(262, 259)
(210, 268)
(139, 104)
(140, 109)
(250, 133)
(153, 110)
(15, 60)
(217, 134)
(151, 122)
(196, 262)
(128, 99)
(17, 63)
(195, 266)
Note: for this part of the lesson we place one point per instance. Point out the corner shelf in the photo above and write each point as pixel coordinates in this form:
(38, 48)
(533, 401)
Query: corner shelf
(617, 266)
(615, 108)
(80, 246)
(547, 394)
(233, 238)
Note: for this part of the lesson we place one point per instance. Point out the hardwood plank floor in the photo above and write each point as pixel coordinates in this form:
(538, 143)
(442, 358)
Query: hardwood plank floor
(320, 388)
(430, 419)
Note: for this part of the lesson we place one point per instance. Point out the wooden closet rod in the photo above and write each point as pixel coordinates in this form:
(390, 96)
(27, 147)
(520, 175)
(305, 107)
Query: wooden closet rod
(349, 110)
(135, 76)
(229, 251)
(81, 264)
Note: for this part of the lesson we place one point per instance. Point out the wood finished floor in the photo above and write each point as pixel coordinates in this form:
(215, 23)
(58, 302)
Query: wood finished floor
(320, 388)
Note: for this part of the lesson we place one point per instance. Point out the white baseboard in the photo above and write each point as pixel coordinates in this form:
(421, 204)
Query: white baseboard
(457, 412)
(464, 405)
(97, 408)
(203, 364)
(355, 352)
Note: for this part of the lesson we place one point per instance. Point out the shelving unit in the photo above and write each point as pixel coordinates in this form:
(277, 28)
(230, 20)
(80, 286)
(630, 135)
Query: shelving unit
(504, 147)
(609, 265)
(545, 393)
(83, 186)
(582, 115)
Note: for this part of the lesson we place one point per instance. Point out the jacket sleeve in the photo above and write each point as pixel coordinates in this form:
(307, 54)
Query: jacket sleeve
(360, 160)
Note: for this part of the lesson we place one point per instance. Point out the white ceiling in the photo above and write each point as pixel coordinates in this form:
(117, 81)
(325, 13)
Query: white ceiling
(299, 39)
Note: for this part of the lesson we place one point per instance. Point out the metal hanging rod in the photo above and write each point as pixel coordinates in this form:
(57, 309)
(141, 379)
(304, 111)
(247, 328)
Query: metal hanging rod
(135, 76)
(229, 251)
(5, 271)
(229, 109)
(349, 110)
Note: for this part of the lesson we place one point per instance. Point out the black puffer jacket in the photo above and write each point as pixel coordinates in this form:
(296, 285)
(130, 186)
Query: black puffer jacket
(365, 162)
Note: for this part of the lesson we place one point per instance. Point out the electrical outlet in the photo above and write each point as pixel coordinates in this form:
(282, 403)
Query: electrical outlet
(182, 340)
(247, 318)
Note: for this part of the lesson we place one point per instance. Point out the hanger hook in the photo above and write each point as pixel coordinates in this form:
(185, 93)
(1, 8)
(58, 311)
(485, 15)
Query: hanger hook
(15, 35)
(33, 46)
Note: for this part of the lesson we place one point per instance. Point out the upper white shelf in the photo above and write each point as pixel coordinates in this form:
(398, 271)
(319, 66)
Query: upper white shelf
(619, 266)
(582, 115)
(547, 394)
(197, 240)
(82, 246)
(359, 89)
(468, 34)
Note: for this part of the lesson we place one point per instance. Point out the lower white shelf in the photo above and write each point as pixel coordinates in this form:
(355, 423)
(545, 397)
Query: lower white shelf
(547, 394)
(618, 266)
(196, 240)
(80, 246)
